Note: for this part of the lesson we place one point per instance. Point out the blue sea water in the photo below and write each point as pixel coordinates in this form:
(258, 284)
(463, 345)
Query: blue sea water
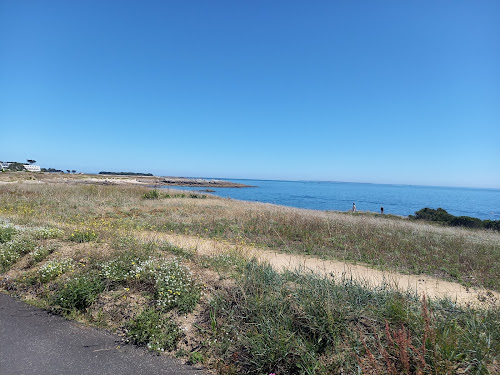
(396, 199)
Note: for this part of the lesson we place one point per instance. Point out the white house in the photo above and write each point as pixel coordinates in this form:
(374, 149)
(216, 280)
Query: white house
(32, 168)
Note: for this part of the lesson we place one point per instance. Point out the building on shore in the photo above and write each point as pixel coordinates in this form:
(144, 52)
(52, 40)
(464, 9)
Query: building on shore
(28, 167)
(32, 168)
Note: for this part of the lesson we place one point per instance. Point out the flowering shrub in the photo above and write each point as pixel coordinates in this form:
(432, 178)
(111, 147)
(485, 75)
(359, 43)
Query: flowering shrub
(41, 252)
(117, 270)
(8, 256)
(46, 233)
(174, 284)
(11, 251)
(55, 268)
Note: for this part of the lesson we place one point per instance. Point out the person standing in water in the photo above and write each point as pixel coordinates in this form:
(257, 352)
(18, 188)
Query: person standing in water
(382, 210)
(354, 207)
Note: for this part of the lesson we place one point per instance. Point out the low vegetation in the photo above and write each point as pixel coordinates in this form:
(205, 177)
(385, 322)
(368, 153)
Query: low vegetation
(76, 250)
(299, 323)
(443, 217)
(467, 255)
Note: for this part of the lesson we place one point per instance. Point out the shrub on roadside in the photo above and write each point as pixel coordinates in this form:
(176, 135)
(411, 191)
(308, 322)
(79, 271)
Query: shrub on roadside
(175, 287)
(78, 293)
(6, 233)
(155, 331)
(54, 268)
(13, 250)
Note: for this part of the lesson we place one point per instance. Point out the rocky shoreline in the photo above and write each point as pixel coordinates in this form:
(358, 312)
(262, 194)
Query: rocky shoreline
(200, 182)
(101, 179)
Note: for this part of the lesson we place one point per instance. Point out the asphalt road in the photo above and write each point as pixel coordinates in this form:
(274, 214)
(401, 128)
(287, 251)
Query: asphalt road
(32, 341)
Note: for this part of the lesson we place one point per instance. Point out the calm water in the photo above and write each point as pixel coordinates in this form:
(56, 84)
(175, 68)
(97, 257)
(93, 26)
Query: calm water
(397, 199)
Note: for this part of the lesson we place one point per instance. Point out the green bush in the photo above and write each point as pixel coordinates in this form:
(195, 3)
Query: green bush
(55, 268)
(13, 250)
(152, 329)
(466, 221)
(442, 216)
(6, 233)
(78, 293)
(152, 194)
(173, 283)
(16, 167)
(492, 224)
(431, 214)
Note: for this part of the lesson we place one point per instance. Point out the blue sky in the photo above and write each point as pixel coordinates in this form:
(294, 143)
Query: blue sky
(363, 91)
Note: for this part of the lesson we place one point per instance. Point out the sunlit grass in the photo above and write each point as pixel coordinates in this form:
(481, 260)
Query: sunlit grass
(468, 256)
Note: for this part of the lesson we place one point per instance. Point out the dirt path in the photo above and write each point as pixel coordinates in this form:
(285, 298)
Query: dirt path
(430, 286)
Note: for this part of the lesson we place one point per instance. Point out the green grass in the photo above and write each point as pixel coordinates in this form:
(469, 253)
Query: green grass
(157, 194)
(299, 323)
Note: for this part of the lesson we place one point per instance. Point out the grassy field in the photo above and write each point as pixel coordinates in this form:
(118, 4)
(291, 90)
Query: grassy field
(469, 256)
(74, 249)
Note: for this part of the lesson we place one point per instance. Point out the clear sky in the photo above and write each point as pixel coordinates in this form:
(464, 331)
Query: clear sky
(365, 91)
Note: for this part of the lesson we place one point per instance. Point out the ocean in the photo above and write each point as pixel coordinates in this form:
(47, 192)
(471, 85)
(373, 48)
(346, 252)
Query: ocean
(400, 200)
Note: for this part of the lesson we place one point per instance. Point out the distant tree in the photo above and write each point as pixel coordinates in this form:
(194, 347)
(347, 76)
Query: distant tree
(73, 171)
(67, 170)
(443, 217)
(31, 161)
(431, 214)
(16, 167)
(52, 170)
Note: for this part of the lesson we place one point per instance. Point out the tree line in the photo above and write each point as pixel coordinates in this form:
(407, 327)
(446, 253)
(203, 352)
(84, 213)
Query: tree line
(442, 216)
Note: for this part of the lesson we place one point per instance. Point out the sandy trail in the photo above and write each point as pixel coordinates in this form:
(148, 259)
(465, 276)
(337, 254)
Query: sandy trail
(423, 284)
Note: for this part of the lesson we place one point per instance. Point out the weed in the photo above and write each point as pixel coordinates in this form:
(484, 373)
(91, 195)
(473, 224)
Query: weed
(6, 233)
(152, 194)
(55, 268)
(46, 233)
(78, 293)
(174, 284)
(83, 235)
(19, 244)
(42, 252)
(195, 357)
(155, 331)
(300, 323)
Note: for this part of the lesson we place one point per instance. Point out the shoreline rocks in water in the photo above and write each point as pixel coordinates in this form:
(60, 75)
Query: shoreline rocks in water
(182, 181)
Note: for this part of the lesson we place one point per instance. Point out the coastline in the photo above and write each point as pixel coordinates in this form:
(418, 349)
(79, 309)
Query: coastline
(101, 179)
